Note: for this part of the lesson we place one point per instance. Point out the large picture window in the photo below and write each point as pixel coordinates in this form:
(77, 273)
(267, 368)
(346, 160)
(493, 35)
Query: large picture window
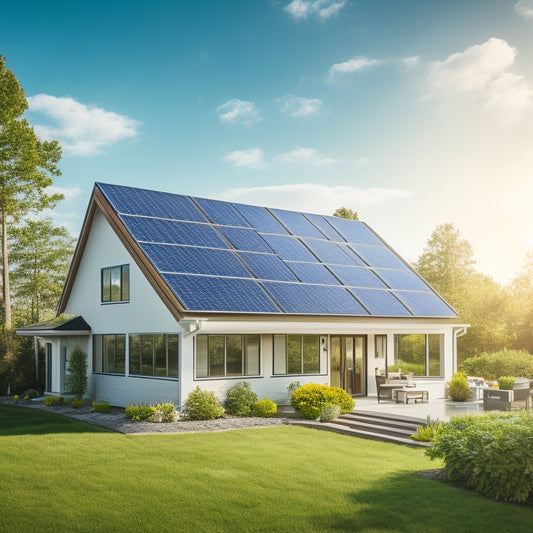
(109, 354)
(227, 355)
(154, 355)
(417, 353)
(116, 284)
(296, 354)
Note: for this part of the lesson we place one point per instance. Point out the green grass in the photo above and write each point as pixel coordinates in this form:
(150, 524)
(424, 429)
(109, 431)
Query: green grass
(58, 474)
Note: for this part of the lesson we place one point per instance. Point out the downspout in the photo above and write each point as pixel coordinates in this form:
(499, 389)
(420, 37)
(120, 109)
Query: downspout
(197, 326)
(459, 332)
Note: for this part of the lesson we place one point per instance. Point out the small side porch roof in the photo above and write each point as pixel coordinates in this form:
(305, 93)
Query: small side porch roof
(64, 324)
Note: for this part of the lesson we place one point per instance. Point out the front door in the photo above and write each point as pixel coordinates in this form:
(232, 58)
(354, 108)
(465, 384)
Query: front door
(347, 361)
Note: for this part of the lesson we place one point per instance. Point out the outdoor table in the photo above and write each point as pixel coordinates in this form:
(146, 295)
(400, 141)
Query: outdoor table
(405, 394)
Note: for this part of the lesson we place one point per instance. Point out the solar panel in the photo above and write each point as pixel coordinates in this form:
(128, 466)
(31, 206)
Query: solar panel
(200, 293)
(267, 267)
(402, 279)
(424, 304)
(132, 201)
(245, 239)
(322, 224)
(354, 231)
(173, 232)
(381, 302)
(222, 212)
(380, 257)
(296, 223)
(314, 299)
(186, 259)
(313, 273)
(260, 219)
(329, 252)
(289, 248)
(357, 277)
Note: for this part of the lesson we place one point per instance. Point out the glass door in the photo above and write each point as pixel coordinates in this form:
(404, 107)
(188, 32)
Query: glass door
(347, 363)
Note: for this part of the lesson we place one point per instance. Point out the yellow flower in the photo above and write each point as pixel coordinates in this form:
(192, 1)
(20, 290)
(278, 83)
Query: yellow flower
(26, 397)
(16, 396)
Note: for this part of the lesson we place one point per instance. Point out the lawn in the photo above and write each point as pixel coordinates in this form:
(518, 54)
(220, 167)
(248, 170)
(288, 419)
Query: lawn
(58, 474)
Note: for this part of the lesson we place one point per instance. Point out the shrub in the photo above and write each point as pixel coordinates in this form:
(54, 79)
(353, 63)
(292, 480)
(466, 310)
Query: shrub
(16, 397)
(405, 367)
(240, 399)
(76, 403)
(53, 400)
(164, 412)
(101, 407)
(77, 367)
(139, 412)
(309, 399)
(459, 390)
(506, 382)
(329, 412)
(265, 408)
(31, 393)
(293, 385)
(428, 432)
(505, 363)
(202, 405)
(488, 453)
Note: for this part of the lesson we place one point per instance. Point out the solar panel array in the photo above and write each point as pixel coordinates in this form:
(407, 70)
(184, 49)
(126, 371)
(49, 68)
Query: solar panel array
(224, 257)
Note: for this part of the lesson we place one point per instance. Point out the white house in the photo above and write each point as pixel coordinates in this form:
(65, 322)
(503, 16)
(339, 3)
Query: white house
(169, 292)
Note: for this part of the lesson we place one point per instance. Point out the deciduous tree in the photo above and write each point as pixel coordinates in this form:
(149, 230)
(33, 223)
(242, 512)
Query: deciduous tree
(344, 212)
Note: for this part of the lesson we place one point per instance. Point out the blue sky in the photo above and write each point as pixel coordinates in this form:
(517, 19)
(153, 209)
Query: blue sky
(413, 113)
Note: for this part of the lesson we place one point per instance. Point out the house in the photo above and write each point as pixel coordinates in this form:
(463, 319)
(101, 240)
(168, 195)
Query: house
(168, 292)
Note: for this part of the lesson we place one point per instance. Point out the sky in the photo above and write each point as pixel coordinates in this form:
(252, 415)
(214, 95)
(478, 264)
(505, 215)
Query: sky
(414, 113)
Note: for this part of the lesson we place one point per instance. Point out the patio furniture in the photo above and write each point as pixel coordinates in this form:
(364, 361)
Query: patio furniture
(409, 393)
(386, 388)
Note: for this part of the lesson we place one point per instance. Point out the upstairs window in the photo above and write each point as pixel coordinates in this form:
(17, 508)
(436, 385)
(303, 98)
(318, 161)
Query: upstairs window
(116, 284)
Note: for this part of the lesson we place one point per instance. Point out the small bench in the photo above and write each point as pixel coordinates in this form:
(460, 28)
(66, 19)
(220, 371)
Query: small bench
(406, 394)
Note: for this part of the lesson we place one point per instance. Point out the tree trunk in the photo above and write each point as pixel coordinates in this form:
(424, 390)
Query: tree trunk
(5, 269)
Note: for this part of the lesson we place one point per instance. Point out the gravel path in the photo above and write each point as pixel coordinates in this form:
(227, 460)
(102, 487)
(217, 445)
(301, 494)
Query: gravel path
(116, 421)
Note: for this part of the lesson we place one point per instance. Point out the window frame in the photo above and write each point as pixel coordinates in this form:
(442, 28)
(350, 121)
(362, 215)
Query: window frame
(154, 367)
(100, 353)
(288, 352)
(106, 284)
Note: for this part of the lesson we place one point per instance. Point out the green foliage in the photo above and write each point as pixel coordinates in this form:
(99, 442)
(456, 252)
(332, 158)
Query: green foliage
(428, 432)
(504, 363)
(458, 388)
(344, 212)
(164, 412)
(31, 393)
(17, 363)
(240, 399)
(77, 367)
(329, 412)
(76, 403)
(139, 412)
(309, 399)
(201, 405)
(101, 407)
(293, 385)
(521, 306)
(53, 400)
(490, 454)
(264, 408)
(406, 368)
(506, 382)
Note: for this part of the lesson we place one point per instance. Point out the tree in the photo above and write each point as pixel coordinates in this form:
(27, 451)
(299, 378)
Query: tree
(344, 212)
(77, 368)
(27, 166)
(521, 296)
(40, 257)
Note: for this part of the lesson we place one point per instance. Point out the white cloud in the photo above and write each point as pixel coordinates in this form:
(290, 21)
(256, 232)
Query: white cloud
(252, 158)
(305, 156)
(315, 198)
(299, 106)
(80, 129)
(525, 8)
(411, 62)
(323, 9)
(509, 92)
(238, 112)
(353, 65)
(68, 192)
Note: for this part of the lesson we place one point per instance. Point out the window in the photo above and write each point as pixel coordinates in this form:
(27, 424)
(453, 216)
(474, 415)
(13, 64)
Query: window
(109, 354)
(227, 355)
(296, 354)
(417, 353)
(154, 355)
(380, 351)
(116, 284)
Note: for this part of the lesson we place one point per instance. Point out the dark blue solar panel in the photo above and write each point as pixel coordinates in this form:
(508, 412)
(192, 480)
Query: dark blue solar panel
(268, 267)
(329, 252)
(189, 260)
(200, 293)
(173, 232)
(245, 239)
(313, 273)
(380, 302)
(402, 279)
(322, 224)
(425, 304)
(296, 223)
(354, 231)
(314, 299)
(289, 248)
(357, 277)
(132, 201)
(352, 254)
(260, 219)
(380, 257)
(222, 212)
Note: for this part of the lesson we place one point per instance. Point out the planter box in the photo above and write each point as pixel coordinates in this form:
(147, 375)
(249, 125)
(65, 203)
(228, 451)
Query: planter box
(497, 400)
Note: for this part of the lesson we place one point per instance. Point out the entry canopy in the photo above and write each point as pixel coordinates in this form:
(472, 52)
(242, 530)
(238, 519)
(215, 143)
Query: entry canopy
(64, 324)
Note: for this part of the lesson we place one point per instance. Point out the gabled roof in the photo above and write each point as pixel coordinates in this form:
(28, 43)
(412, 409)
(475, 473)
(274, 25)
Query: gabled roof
(212, 257)
(63, 324)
